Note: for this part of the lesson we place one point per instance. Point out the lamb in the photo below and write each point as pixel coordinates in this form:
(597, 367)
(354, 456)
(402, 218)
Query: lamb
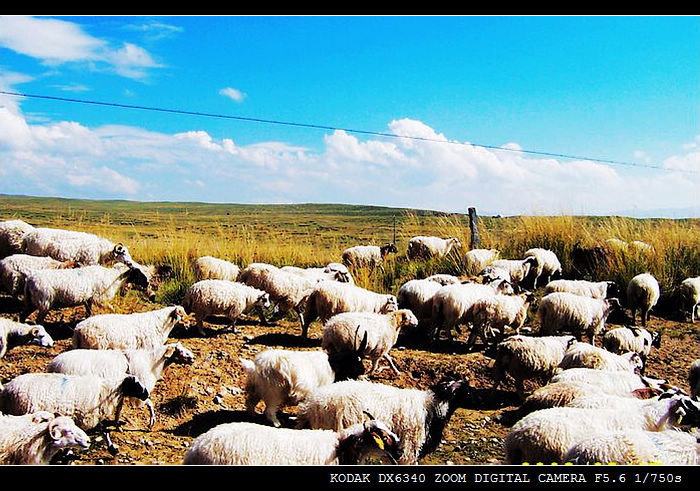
(381, 330)
(694, 379)
(142, 330)
(285, 377)
(288, 291)
(623, 339)
(643, 293)
(222, 297)
(564, 311)
(635, 447)
(329, 298)
(49, 289)
(34, 439)
(68, 245)
(525, 357)
(214, 268)
(593, 289)
(451, 304)
(493, 314)
(546, 435)
(254, 444)
(518, 269)
(88, 399)
(478, 259)
(146, 365)
(16, 333)
(426, 247)
(585, 355)
(418, 417)
(367, 255)
(12, 234)
(547, 265)
(15, 268)
(689, 291)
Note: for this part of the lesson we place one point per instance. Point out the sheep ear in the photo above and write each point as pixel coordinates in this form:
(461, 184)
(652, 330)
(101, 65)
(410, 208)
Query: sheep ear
(363, 344)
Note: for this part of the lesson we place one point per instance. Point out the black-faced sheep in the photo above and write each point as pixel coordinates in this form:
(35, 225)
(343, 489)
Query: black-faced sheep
(33, 439)
(16, 333)
(254, 444)
(518, 269)
(381, 331)
(285, 377)
(579, 315)
(222, 297)
(426, 247)
(593, 289)
(141, 330)
(330, 298)
(643, 293)
(368, 256)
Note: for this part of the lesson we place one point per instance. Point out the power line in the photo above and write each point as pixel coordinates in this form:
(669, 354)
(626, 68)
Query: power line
(333, 128)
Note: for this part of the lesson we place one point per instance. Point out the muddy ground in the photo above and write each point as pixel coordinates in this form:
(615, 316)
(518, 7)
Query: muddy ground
(191, 399)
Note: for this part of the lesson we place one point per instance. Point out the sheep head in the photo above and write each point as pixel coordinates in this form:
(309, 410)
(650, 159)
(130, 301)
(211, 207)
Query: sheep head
(40, 337)
(132, 387)
(65, 433)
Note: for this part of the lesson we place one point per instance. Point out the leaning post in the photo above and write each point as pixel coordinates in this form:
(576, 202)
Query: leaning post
(474, 227)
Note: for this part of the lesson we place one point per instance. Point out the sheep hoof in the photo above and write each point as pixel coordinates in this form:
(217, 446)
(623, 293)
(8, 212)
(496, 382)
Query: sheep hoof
(113, 449)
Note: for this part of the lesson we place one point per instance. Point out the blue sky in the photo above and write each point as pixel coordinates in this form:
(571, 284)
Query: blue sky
(466, 92)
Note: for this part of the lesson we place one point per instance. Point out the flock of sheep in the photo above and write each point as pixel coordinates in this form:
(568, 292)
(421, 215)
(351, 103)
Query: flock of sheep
(596, 405)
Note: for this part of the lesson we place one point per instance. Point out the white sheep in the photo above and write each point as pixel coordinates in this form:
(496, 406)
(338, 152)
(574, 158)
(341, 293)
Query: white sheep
(643, 293)
(284, 377)
(451, 304)
(146, 364)
(518, 269)
(417, 295)
(689, 291)
(546, 435)
(69, 245)
(88, 399)
(15, 268)
(141, 330)
(627, 338)
(491, 315)
(526, 357)
(607, 381)
(547, 265)
(329, 298)
(477, 260)
(444, 279)
(214, 268)
(426, 247)
(16, 333)
(579, 315)
(222, 297)
(48, 289)
(418, 417)
(694, 379)
(585, 355)
(367, 255)
(341, 331)
(288, 291)
(635, 447)
(593, 289)
(34, 439)
(331, 272)
(254, 444)
(12, 234)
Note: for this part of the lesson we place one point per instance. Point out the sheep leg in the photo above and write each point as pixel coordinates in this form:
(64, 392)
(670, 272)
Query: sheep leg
(151, 412)
(299, 312)
(391, 363)
(271, 407)
(88, 308)
(261, 314)
(111, 447)
(251, 401)
(200, 325)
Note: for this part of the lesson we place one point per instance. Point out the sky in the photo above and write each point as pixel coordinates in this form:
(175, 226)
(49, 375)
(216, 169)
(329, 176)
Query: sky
(511, 115)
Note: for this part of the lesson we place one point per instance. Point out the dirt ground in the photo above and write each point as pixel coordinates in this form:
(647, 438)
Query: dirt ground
(191, 399)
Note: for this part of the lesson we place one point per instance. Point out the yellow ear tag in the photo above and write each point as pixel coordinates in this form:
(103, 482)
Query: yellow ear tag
(380, 442)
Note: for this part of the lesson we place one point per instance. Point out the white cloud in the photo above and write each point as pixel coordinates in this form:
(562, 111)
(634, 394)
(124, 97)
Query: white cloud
(55, 42)
(233, 94)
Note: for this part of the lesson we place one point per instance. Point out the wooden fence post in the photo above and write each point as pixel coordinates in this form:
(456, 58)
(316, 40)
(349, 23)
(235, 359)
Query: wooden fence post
(474, 227)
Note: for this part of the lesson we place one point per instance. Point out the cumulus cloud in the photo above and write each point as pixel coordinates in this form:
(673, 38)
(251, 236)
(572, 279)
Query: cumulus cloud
(56, 42)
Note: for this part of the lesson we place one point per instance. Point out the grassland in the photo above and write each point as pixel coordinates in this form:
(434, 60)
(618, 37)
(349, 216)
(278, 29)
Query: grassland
(315, 234)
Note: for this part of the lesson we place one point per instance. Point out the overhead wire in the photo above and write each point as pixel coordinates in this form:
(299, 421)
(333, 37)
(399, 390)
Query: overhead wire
(337, 128)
